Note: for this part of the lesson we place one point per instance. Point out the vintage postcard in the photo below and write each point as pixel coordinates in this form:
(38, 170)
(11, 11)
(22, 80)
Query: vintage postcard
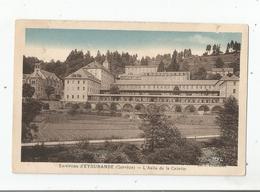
(130, 98)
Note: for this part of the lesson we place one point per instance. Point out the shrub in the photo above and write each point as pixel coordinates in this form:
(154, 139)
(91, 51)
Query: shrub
(73, 109)
(87, 106)
(99, 107)
(113, 107)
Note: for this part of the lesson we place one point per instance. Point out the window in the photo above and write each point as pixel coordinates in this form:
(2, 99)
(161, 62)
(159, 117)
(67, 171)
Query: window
(72, 96)
(83, 88)
(68, 96)
(78, 82)
(78, 96)
(83, 82)
(83, 96)
(78, 88)
(68, 81)
(234, 90)
(234, 83)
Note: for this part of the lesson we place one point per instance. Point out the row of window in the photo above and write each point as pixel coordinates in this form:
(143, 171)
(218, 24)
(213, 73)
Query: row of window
(76, 97)
(166, 86)
(90, 89)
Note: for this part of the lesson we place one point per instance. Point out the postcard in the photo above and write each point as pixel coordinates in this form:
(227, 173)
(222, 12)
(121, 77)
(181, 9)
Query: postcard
(130, 98)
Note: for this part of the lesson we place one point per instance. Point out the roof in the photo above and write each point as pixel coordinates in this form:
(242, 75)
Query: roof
(230, 78)
(82, 73)
(49, 75)
(222, 69)
(167, 82)
(96, 65)
(42, 74)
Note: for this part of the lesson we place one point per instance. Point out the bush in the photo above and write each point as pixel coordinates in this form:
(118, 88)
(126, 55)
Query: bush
(74, 109)
(117, 157)
(99, 107)
(113, 107)
(186, 154)
(87, 106)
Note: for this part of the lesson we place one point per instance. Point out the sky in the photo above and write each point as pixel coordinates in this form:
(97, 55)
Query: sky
(47, 44)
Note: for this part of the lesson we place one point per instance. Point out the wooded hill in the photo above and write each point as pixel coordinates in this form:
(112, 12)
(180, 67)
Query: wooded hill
(177, 61)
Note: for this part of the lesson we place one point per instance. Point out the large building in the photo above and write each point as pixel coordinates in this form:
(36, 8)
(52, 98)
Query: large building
(40, 80)
(90, 79)
(78, 85)
(172, 90)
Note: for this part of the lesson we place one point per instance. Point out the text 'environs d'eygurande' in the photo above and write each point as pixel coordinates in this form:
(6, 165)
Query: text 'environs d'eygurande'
(126, 167)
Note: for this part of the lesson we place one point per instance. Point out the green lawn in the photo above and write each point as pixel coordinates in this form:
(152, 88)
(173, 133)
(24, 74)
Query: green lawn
(61, 127)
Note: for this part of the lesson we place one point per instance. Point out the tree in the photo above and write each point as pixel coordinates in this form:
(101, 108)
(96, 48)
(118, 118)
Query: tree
(28, 90)
(219, 63)
(174, 66)
(144, 61)
(49, 90)
(30, 109)
(228, 122)
(227, 49)
(164, 143)
(208, 48)
(214, 48)
(161, 67)
(159, 132)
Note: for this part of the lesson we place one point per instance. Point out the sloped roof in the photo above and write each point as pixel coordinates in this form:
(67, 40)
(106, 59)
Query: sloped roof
(229, 78)
(222, 69)
(49, 75)
(167, 82)
(96, 65)
(82, 73)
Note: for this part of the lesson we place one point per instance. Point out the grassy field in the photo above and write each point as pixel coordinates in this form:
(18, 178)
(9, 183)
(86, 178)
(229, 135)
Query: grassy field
(63, 127)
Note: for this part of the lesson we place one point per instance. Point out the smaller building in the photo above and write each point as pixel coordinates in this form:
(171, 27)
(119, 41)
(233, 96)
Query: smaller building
(79, 85)
(229, 86)
(140, 69)
(40, 80)
(221, 71)
(102, 73)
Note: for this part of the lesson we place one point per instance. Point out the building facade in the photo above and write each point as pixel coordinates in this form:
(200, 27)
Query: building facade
(221, 71)
(102, 73)
(40, 80)
(140, 69)
(170, 90)
(78, 85)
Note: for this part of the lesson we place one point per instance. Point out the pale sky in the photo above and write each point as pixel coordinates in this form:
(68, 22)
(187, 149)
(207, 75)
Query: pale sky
(47, 44)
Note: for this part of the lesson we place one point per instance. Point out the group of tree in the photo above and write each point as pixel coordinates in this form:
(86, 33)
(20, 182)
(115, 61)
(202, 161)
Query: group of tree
(233, 46)
(213, 49)
(30, 109)
(228, 122)
(77, 59)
